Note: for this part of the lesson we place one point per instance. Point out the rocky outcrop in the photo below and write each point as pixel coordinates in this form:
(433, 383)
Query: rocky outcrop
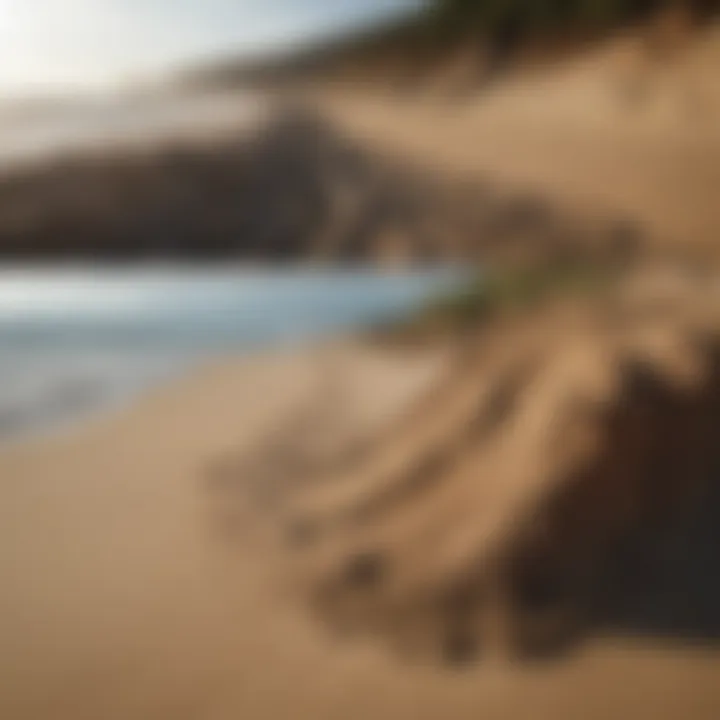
(296, 191)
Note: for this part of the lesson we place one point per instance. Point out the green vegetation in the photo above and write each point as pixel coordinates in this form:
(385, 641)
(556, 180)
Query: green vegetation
(486, 297)
(505, 26)
(502, 28)
(496, 17)
(498, 26)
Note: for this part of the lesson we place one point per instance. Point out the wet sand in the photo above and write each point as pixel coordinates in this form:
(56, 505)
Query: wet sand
(123, 596)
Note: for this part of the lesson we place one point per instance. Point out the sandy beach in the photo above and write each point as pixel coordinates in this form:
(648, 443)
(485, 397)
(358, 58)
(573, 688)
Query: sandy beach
(124, 596)
(133, 585)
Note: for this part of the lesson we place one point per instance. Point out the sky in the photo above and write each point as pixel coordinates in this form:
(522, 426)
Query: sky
(59, 44)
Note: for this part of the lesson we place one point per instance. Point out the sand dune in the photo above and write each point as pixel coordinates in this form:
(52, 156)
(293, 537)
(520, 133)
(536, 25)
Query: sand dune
(494, 508)
(610, 132)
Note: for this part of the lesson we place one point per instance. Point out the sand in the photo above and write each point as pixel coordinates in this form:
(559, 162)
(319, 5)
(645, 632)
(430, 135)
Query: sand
(570, 135)
(128, 588)
(123, 596)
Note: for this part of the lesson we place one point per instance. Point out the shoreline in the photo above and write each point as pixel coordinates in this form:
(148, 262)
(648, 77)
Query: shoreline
(79, 345)
(172, 380)
(122, 596)
(126, 598)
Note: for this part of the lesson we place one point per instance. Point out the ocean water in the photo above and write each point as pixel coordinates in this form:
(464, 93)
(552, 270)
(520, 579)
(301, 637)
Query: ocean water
(74, 342)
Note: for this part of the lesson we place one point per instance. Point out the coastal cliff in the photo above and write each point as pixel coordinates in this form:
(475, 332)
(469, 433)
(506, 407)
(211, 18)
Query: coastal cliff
(296, 189)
